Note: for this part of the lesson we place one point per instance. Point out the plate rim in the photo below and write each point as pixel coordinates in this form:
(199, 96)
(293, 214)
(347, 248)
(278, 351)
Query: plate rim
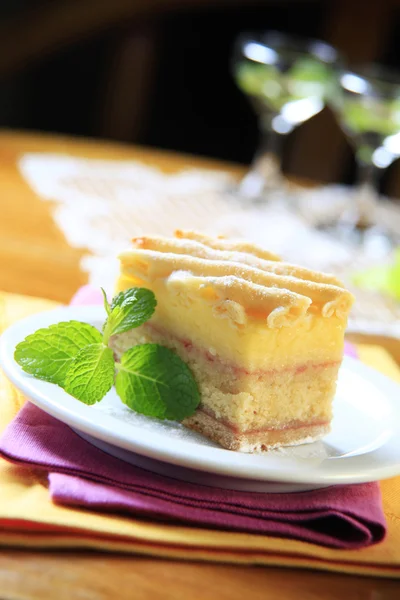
(84, 418)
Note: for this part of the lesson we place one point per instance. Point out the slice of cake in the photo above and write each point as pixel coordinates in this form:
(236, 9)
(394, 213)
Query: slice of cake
(263, 338)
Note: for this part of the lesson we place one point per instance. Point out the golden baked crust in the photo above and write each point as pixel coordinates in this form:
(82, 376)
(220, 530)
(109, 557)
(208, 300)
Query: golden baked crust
(253, 441)
(196, 249)
(220, 243)
(270, 290)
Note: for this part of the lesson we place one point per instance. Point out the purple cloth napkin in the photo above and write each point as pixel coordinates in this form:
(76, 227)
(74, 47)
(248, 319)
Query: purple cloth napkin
(81, 475)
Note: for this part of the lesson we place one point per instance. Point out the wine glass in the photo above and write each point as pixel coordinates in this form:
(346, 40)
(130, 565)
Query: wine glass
(287, 80)
(368, 110)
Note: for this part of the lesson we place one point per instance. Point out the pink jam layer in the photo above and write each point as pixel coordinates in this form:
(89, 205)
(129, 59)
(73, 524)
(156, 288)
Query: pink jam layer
(190, 347)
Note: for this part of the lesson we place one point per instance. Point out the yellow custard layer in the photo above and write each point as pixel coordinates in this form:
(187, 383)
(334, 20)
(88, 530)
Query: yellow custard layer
(253, 347)
(246, 307)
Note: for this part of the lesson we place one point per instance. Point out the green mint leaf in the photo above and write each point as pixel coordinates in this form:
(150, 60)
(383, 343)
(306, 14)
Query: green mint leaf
(105, 302)
(154, 381)
(129, 309)
(48, 353)
(91, 374)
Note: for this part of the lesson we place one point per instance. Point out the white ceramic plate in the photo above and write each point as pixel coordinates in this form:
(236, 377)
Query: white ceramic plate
(364, 444)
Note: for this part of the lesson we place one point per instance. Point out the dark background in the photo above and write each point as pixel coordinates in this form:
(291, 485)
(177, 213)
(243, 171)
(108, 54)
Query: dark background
(159, 74)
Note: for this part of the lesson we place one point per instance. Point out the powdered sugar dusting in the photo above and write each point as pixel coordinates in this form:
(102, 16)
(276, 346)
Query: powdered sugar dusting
(172, 430)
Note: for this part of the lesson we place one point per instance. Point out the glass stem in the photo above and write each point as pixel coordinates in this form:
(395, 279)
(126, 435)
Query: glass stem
(265, 171)
(270, 150)
(366, 194)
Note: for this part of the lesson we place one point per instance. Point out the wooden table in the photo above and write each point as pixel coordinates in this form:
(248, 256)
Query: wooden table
(36, 260)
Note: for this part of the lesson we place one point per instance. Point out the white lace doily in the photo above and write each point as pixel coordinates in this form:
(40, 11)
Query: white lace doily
(100, 205)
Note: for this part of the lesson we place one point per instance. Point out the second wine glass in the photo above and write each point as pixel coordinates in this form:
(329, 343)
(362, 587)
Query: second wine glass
(368, 109)
(287, 80)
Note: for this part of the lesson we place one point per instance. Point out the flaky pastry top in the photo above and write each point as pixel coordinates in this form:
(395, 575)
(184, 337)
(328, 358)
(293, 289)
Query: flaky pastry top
(240, 280)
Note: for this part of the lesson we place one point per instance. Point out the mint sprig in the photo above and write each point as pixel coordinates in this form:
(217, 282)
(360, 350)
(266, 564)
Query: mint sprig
(91, 375)
(49, 352)
(128, 310)
(149, 378)
(155, 382)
